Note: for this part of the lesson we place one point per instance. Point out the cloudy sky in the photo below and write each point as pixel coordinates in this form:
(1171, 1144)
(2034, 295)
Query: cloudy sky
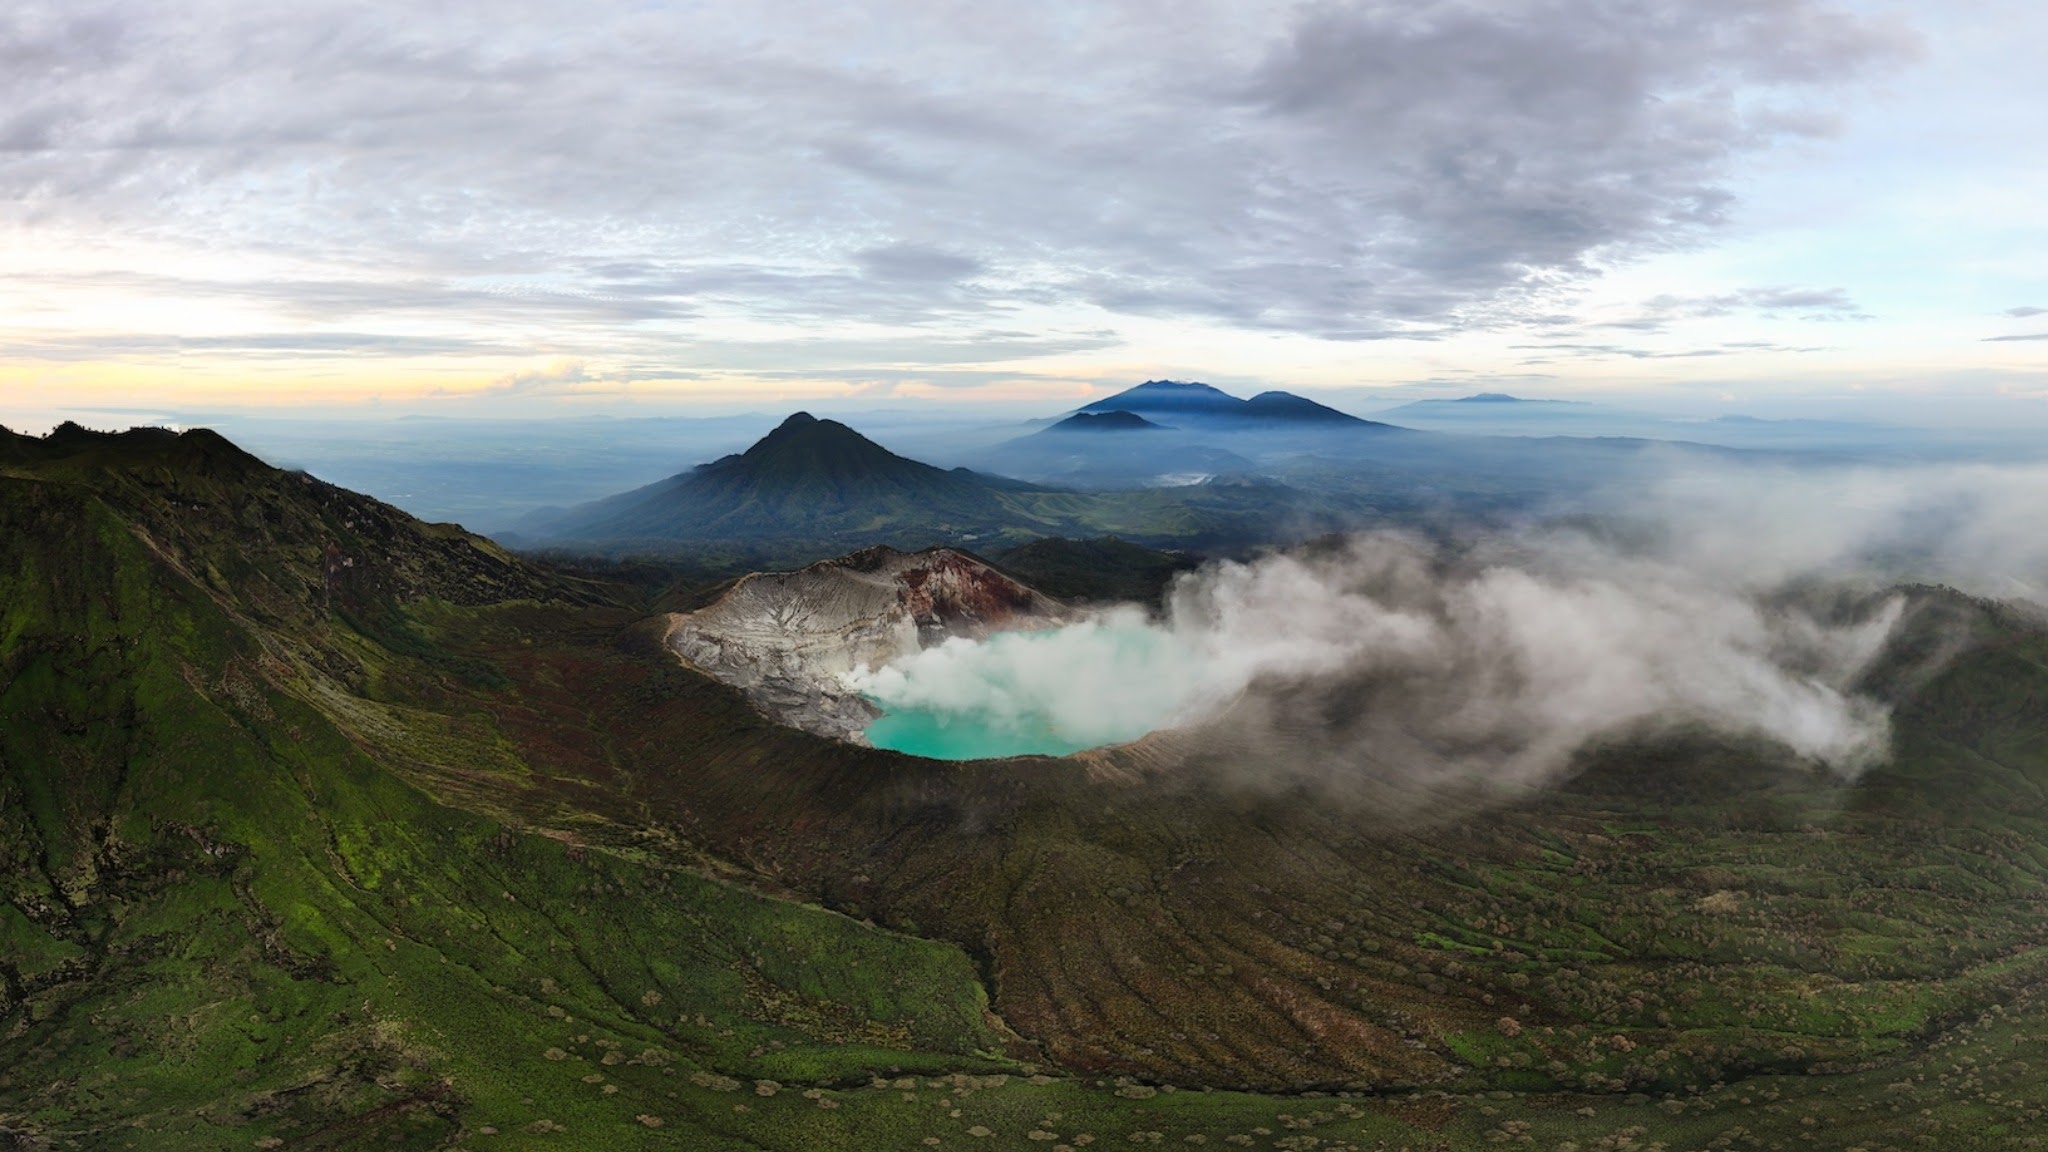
(534, 207)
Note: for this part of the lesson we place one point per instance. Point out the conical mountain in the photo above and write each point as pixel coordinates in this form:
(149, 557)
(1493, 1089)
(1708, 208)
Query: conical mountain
(809, 479)
(1116, 421)
(809, 460)
(1286, 407)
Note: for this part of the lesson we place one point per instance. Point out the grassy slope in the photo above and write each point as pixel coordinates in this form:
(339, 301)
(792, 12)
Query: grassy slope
(273, 875)
(226, 924)
(1106, 569)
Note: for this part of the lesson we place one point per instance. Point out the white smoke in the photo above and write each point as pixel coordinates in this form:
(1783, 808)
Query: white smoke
(1497, 662)
(1107, 679)
(1979, 527)
(1519, 665)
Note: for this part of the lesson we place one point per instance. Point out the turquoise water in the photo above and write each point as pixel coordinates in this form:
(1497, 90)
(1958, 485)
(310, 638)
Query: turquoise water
(1050, 692)
(950, 736)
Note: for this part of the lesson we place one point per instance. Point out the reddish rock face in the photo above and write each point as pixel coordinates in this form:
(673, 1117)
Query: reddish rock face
(952, 591)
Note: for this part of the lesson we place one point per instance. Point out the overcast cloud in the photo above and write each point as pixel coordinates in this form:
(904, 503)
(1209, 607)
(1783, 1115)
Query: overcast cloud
(1349, 170)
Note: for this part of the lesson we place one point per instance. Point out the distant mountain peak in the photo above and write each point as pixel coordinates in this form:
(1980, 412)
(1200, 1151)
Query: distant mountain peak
(804, 444)
(1168, 396)
(809, 479)
(1192, 401)
(1113, 421)
(1504, 398)
(1287, 406)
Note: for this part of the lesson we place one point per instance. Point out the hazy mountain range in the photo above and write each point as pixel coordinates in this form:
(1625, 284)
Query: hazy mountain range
(814, 487)
(1163, 463)
(488, 474)
(1188, 403)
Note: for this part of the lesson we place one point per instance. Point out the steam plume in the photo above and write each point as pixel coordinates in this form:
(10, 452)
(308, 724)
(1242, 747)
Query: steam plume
(1389, 650)
(1496, 662)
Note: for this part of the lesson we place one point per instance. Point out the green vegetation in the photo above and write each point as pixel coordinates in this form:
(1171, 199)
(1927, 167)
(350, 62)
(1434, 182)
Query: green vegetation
(323, 828)
(227, 924)
(1103, 570)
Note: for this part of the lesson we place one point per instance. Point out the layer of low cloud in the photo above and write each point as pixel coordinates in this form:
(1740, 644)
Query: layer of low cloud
(1660, 312)
(1979, 527)
(1350, 170)
(301, 345)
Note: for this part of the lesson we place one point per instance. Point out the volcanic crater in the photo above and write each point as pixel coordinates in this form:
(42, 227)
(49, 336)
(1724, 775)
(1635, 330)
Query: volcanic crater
(787, 640)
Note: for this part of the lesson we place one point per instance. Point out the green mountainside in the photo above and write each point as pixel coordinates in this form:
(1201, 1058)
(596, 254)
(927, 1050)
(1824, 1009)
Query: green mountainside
(321, 827)
(1105, 569)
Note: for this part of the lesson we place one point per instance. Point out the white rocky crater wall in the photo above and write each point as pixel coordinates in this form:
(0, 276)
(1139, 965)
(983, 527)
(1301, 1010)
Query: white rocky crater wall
(786, 639)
